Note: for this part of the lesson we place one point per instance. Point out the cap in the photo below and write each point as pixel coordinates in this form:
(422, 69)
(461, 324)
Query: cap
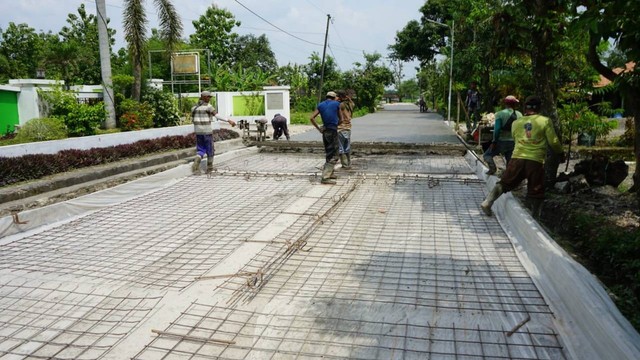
(331, 94)
(533, 100)
(512, 99)
(205, 93)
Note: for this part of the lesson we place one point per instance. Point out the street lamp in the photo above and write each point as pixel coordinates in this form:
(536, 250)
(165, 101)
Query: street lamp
(450, 64)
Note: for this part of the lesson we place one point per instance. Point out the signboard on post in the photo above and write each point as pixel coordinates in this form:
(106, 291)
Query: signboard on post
(185, 64)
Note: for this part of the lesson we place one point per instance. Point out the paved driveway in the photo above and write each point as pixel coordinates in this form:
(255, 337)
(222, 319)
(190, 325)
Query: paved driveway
(398, 123)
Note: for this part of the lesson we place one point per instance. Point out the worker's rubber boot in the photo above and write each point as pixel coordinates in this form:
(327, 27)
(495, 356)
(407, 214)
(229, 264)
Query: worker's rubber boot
(343, 160)
(491, 198)
(492, 169)
(195, 167)
(536, 207)
(209, 165)
(348, 161)
(327, 171)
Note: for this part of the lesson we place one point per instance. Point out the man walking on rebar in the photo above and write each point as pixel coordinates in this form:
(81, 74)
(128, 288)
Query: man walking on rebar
(329, 111)
(532, 134)
(202, 116)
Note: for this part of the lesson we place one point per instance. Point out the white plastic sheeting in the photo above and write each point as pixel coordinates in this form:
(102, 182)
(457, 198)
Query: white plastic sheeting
(592, 326)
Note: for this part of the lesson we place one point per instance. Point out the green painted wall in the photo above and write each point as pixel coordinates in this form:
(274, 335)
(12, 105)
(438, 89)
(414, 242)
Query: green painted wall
(8, 111)
(248, 105)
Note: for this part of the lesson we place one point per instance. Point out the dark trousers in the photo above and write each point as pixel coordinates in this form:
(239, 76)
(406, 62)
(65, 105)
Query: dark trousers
(520, 169)
(502, 147)
(331, 145)
(474, 117)
(280, 128)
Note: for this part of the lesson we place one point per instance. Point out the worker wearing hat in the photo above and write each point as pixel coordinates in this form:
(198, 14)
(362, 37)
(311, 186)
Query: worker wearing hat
(329, 111)
(202, 116)
(502, 142)
(532, 134)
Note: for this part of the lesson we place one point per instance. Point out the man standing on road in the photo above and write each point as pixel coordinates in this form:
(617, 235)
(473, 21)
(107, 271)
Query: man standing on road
(331, 116)
(279, 124)
(344, 127)
(532, 134)
(502, 142)
(202, 116)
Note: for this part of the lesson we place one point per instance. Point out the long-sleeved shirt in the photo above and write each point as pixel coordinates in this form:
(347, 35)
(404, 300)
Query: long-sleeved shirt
(532, 134)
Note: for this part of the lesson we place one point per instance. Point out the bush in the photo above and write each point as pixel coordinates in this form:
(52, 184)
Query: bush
(135, 115)
(165, 107)
(83, 119)
(300, 118)
(30, 167)
(80, 119)
(42, 130)
(304, 104)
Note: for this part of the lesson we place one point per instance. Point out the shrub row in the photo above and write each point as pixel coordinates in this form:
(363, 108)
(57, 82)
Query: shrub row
(30, 167)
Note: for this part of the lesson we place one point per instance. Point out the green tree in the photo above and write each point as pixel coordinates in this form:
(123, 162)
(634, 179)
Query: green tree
(214, 31)
(62, 61)
(332, 76)
(408, 89)
(295, 77)
(240, 78)
(368, 80)
(616, 19)
(135, 25)
(81, 35)
(22, 48)
(252, 51)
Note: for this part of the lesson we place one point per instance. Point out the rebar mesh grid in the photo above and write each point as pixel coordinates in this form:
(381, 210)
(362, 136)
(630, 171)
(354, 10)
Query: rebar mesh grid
(406, 244)
(50, 320)
(162, 240)
(297, 332)
(398, 266)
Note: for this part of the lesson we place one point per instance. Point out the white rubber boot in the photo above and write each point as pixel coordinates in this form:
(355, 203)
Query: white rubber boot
(491, 198)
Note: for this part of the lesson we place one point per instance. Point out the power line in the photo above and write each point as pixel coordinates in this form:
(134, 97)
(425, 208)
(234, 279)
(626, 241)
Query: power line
(317, 7)
(284, 31)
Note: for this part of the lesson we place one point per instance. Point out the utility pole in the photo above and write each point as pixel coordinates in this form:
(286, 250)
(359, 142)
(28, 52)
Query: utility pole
(105, 64)
(324, 53)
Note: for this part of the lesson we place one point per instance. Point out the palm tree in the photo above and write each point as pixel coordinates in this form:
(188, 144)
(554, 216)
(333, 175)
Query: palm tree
(105, 64)
(135, 25)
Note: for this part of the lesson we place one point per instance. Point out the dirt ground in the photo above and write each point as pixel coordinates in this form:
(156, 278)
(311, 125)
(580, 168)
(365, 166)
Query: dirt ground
(617, 205)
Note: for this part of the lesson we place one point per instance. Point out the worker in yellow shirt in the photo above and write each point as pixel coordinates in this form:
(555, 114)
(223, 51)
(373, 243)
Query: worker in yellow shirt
(531, 133)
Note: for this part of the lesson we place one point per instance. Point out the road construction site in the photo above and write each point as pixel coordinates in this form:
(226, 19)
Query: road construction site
(258, 260)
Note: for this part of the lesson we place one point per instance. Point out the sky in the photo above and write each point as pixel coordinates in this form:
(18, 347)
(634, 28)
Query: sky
(356, 26)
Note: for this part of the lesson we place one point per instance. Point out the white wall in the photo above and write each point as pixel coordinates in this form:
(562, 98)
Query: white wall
(28, 97)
